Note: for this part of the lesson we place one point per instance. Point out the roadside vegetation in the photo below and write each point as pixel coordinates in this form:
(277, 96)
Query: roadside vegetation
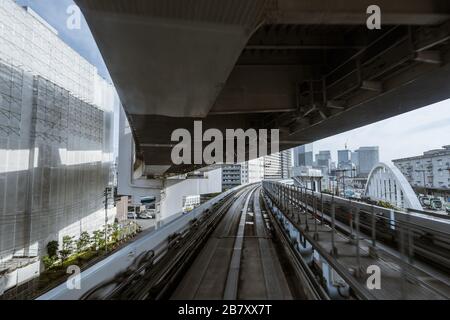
(79, 251)
(88, 249)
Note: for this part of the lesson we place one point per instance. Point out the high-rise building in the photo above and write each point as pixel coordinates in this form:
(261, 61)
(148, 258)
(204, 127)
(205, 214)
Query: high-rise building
(303, 155)
(333, 166)
(432, 169)
(354, 158)
(344, 157)
(231, 176)
(272, 167)
(368, 157)
(278, 165)
(286, 163)
(252, 171)
(323, 160)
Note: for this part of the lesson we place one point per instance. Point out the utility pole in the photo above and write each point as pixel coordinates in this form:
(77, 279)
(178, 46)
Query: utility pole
(343, 171)
(106, 194)
(343, 181)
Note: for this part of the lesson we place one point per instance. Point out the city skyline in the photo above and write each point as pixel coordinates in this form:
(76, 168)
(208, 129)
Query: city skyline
(394, 135)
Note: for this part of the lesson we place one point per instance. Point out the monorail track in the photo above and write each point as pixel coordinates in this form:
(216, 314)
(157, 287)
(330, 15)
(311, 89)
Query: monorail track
(255, 243)
(239, 261)
(233, 254)
(228, 255)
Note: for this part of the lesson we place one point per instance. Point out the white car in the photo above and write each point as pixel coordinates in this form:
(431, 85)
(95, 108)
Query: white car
(147, 215)
(132, 215)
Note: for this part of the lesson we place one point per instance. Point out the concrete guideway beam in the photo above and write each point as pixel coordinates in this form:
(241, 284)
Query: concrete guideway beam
(403, 12)
(242, 64)
(172, 62)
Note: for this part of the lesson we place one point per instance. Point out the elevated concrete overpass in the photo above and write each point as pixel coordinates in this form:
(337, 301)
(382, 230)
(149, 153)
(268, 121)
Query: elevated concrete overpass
(309, 68)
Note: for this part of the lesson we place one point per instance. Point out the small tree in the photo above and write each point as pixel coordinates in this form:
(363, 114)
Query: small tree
(99, 239)
(83, 242)
(52, 249)
(115, 233)
(67, 248)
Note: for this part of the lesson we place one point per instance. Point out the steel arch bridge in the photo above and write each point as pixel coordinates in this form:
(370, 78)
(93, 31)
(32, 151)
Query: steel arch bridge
(387, 183)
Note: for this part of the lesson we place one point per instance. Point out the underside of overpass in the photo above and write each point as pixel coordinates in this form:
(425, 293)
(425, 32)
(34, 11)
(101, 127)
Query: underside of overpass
(309, 68)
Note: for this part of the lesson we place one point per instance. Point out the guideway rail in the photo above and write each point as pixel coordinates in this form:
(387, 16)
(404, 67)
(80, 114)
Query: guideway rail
(239, 261)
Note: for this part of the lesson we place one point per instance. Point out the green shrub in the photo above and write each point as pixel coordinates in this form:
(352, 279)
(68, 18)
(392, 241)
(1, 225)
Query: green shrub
(48, 262)
(52, 249)
(385, 204)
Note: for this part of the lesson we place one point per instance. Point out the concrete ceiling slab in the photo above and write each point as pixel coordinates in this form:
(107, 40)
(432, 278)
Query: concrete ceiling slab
(285, 64)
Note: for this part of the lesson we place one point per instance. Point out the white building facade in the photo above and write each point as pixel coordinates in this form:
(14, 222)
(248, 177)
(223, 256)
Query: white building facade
(252, 171)
(56, 137)
(430, 170)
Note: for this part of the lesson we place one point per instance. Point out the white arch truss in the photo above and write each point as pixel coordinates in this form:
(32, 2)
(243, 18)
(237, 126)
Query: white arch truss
(387, 183)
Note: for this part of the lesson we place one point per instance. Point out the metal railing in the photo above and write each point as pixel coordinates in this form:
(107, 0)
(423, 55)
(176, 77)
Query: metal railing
(410, 236)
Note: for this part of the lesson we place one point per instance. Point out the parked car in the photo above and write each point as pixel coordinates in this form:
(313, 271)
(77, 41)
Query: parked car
(436, 204)
(425, 201)
(132, 215)
(447, 207)
(147, 215)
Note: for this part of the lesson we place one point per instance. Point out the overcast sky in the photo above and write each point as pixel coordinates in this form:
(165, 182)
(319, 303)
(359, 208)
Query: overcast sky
(405, 135)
